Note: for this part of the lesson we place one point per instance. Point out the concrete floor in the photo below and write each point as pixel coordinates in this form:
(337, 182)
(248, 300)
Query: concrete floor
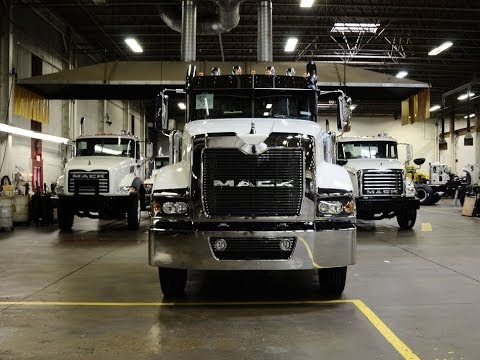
(423, 285)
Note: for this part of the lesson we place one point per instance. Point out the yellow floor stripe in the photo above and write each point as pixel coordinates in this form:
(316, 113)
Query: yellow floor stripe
(383, 329)
(426, 227)
(388, 334)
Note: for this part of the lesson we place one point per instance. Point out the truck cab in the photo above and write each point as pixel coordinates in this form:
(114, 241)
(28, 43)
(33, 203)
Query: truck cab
(103, 180)
(381, 187)
(254, 189)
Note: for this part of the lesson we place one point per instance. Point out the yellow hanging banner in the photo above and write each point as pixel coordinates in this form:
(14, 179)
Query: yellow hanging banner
(30, 105)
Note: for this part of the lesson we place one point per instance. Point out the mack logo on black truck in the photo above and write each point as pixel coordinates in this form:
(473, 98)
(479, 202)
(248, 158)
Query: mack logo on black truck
(248, 183)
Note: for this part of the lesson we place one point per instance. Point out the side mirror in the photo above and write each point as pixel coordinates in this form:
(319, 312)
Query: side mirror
(344, 113)
(419, 161)
(409, 150)
(149, 150)
(161, 111)
(342, 162)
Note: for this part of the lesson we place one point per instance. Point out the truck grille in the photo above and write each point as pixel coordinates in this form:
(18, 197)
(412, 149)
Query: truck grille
(238, 184)
(88, 182)
(382, 182)
(261, 248)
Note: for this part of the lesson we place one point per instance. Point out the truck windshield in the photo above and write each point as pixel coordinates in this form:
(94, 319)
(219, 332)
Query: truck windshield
(367, 150)
(248, 103)
(105, 147)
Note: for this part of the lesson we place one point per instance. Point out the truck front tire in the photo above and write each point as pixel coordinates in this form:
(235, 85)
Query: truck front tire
(65, 216)
(332, 281)
(406, 218)
(172, 281)
(133, 213)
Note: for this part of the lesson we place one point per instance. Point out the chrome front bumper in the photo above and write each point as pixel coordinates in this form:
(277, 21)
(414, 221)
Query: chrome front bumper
(190, 249)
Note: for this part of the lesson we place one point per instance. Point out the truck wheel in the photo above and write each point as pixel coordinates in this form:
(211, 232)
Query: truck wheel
(332, 281)
(424, 194)
(65, 216)
(406, 218)
(133, 214)
(172, 281)
(436, 198)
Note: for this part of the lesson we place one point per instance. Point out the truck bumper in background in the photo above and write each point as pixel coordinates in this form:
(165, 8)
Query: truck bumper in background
(378, 208)
(108, 206)
(192, 249)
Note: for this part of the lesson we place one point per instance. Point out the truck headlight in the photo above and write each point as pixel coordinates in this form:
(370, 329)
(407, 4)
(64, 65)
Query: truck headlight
(125, 189)
(330, 207)
(59, 190)
(177, 207)
(335, 205)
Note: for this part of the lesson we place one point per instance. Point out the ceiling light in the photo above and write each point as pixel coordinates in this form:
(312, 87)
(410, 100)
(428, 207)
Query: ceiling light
(465, 96)
(353, 107)
(182, 106)
(269, 106)
(306, 3)
(435, 108)
(401, 74)
(440, 48)
(471, 116)
(134, 45)
(266, 113)
(291, 44)
(355, 28)
(32, 134)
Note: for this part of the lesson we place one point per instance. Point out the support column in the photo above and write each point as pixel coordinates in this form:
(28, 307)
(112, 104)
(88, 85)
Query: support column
(453, 146)
(477, 134)
(7, 82)
(102, 115)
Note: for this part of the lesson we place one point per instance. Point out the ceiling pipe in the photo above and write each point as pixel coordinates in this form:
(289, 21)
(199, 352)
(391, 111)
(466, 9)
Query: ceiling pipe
(189, 31)
(264, 34)
(228, 18)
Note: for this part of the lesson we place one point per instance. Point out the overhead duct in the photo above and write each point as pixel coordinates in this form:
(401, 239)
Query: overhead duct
(189, 31)
(227, 18)
(264, 35)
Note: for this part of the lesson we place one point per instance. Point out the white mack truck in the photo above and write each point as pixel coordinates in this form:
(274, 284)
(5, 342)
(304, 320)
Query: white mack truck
(103, 180)
(382, 189)
(256, 187)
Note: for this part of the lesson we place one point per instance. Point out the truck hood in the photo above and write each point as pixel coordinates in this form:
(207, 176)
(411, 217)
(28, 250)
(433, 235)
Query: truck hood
(353, 165)
(243, 127)
(98, 162)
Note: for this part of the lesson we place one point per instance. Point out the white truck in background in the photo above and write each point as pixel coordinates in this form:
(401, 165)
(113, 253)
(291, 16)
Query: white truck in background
(255, 188)
(381, 187)
(103, 180)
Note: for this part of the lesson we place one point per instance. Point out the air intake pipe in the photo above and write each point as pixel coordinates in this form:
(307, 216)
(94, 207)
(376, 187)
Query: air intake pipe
(264, 35)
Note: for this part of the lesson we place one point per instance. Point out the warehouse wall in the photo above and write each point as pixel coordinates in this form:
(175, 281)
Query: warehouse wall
(34, 36)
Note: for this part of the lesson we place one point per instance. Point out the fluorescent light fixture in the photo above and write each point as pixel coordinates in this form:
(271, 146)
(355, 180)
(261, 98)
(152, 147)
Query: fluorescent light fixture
(134, 45)
(32, 134)
(269, 106)
(291, 44)
(471, 116)
(266, 113)
(353, 107)
(355, 28)
(401, 74)
(440, 48)
(435, 108)
(465, 96)
(182, 106)
(306, 3)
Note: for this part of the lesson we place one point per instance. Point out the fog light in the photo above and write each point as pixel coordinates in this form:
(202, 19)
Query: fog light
(220, 244)
(285, 245)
